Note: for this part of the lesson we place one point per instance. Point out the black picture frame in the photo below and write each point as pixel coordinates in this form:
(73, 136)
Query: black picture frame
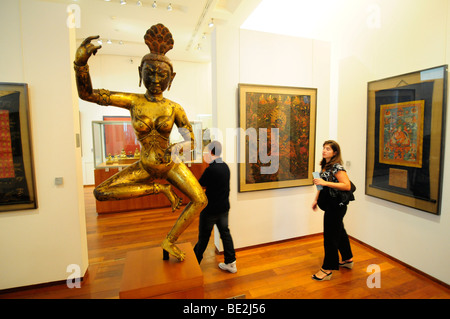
(405, 138)
(17, 179)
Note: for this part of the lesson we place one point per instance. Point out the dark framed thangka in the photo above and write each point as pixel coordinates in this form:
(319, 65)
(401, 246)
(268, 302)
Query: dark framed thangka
(277, 136)
(405, 138)
(17, 185)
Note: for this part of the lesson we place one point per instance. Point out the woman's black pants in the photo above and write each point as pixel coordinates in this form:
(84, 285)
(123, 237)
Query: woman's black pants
(335, 238)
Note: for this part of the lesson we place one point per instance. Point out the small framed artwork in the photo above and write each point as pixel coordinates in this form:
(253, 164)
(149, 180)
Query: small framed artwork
(277, 139)
(405, 134)
(17, 183)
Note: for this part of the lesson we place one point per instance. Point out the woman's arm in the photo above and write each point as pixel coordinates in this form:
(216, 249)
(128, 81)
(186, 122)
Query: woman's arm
(342, 185)
(83, 79)
(314, 204)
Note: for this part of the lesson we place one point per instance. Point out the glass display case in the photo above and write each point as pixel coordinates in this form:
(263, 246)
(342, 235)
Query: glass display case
(196, 153)
(115, 143)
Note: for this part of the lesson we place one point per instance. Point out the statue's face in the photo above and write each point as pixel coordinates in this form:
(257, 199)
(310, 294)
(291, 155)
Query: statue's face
(156, 75)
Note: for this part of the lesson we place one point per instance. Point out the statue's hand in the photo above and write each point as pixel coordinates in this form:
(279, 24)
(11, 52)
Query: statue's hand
(85, 50)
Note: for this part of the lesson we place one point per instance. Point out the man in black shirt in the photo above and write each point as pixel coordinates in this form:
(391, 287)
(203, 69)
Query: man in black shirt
(216, 180)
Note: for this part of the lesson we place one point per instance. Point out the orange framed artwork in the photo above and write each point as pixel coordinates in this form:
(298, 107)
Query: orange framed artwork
(401, 133)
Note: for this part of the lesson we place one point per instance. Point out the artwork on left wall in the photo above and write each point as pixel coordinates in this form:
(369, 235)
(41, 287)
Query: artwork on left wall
(17, 182)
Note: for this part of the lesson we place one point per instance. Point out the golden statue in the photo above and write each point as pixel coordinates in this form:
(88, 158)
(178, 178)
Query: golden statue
(109, 160)
(152, 117)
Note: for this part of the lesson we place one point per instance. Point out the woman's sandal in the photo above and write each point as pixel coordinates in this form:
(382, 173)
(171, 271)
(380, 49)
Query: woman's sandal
(327, 277)
(346, 264)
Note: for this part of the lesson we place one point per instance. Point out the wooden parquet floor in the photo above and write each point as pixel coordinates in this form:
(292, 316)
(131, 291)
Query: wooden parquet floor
(276, 271)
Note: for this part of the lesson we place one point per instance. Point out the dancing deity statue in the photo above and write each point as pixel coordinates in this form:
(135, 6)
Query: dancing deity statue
(152, 117)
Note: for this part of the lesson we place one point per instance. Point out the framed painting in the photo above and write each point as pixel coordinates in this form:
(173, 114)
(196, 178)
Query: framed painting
(277, 136)
(17, 183)
(405, 137)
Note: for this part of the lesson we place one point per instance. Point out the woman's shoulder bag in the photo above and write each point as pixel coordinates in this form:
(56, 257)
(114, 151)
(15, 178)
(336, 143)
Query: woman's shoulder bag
(342, 197)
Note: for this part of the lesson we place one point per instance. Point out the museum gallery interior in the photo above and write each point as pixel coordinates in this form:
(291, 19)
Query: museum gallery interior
(272, 80)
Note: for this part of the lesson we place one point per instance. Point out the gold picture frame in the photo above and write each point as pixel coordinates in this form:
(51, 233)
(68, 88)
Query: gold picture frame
(277, 136)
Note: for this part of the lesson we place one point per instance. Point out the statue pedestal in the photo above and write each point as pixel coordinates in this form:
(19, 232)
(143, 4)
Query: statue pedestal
(147, 275)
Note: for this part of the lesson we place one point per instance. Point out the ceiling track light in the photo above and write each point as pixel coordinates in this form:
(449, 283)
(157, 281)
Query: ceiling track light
(109, 41)
(169, 7)
(154, 5)
(123, 2)
(211, 23)
(139, 3)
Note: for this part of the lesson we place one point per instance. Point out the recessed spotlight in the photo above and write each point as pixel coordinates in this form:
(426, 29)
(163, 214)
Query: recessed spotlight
(169, 7)
(100, 41)
(139, 3)
(154, 5)
(123, 2)
(109, 41)
(211, 23)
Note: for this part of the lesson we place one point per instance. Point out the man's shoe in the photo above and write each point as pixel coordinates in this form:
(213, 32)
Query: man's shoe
(231, 267)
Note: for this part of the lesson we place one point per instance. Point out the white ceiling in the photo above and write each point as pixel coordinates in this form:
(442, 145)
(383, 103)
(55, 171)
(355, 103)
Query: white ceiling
(188, 22)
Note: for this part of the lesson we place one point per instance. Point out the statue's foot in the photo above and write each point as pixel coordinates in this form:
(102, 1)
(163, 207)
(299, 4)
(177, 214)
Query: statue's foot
(172, 249)
(171, 196)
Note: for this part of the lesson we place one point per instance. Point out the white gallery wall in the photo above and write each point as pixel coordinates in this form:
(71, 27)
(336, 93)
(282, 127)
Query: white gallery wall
(38, 245)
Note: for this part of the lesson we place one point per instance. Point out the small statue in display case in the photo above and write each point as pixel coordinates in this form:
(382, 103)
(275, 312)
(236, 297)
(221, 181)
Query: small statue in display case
(137, 153)
(109, 160)
(152, 117)
(123, 154)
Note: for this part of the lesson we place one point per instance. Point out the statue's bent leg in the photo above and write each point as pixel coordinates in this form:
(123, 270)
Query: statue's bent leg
(174, 199)
(182, 178)
(131, 182)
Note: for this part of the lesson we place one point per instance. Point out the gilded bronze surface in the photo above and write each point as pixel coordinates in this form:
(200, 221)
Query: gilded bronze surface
(152, 117)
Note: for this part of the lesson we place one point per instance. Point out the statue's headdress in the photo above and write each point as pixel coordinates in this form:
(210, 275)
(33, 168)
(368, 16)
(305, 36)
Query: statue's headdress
(159, 40)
